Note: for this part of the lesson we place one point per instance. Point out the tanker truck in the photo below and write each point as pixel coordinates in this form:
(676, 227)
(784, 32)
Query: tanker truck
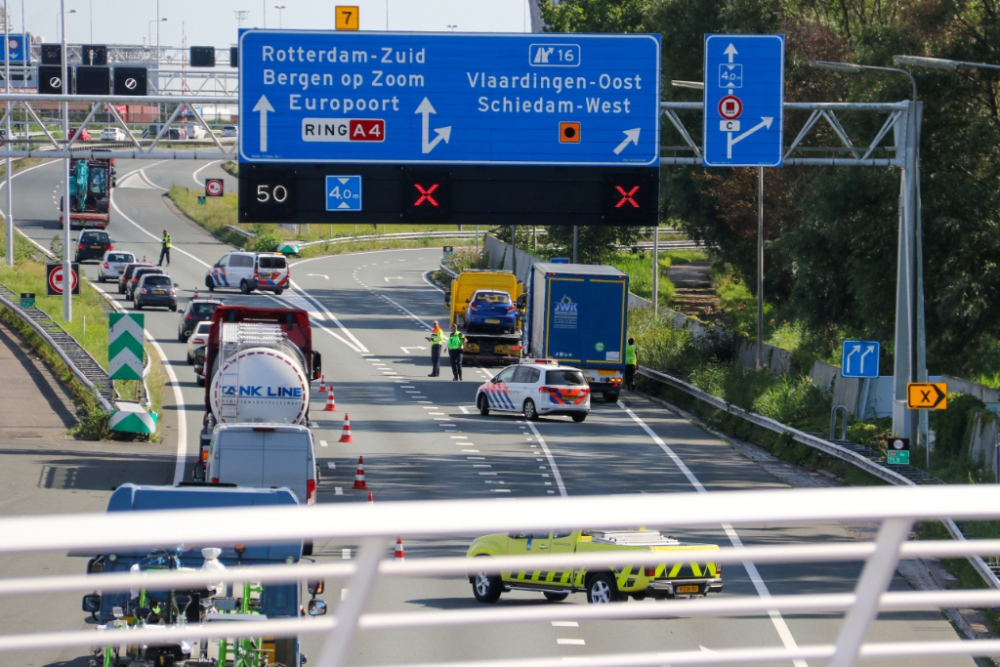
(259, 363)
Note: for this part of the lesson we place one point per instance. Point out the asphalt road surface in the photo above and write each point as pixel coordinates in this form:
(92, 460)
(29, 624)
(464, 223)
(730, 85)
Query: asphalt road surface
(422, 439)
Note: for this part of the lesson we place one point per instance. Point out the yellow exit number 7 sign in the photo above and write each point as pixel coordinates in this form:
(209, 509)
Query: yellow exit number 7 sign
(347, 17)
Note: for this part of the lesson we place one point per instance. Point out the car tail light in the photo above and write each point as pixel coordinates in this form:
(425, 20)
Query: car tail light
(173, 292)
(256, 273)
(204, 454)
(472, 306)
(311, 492)
(650, 570)
(106, 265)
(111, 246)
(142, 291)
(263, 429)
(197, 341)
(81, 246)
(214, 480)
(511, 308)
(585, 390)
(189, 316)
(545, 390)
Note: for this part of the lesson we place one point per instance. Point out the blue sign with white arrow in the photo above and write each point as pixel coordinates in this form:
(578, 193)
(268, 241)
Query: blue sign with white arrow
(425, 98)
(16, 43)
(744, 101)
(860, 359)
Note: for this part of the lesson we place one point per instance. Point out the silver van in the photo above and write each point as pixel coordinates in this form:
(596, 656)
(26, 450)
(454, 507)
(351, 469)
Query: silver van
(264, 456)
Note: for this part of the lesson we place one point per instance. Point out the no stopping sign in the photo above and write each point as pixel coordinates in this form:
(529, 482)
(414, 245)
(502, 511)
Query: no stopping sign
(730, 107)
(213, 187)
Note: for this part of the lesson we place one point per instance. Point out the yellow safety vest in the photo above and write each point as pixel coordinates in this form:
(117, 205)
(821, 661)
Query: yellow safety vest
(437, 337)
(631, 355)
(166, 241)
(456, 340)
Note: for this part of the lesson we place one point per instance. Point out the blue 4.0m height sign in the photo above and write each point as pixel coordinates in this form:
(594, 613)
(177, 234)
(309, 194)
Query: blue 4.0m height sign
(412, 98)
(744, 100)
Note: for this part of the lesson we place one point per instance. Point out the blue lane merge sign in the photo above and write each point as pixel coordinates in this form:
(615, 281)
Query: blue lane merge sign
(355, 97)
(343, 193)
(744, 100)
(860, 359)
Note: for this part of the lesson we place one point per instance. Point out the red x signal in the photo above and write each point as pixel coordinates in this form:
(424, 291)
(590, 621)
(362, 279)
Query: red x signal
(425, 195)
(626, 196)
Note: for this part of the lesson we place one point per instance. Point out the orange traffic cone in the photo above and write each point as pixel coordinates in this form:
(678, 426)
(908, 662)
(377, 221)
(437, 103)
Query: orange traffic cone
(371, 498)
(399, 554)
(359, 477)
(345, 435)
(195, 293)
(331, 406)
(322, 384)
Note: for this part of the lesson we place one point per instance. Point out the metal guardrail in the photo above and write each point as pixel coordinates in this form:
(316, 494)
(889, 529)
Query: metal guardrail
(400, 236)
(83, 366)
(856, 455)
(375, 528)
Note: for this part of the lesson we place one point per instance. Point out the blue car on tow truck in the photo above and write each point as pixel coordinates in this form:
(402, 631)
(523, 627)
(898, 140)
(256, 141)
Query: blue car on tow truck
(166, 608)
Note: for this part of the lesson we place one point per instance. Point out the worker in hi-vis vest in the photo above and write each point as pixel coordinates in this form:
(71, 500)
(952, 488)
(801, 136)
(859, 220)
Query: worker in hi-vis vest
(455, 343)
(437, 341)
(631, 361)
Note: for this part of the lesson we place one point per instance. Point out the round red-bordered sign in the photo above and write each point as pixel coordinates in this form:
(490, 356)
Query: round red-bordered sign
(56, 280)
(730, 107)
(13, 44)
(213, 187)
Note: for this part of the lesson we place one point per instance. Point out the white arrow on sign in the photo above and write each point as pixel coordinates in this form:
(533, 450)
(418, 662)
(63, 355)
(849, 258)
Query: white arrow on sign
(730, 51)
(426, 109)
(631, 137)
(263, 107)
(406, 350)
(855, 350)
(731, 141)
(868, 350)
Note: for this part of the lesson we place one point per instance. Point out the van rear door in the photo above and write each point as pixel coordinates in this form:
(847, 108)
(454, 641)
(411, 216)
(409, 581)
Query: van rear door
(288, 461)
(241, 458)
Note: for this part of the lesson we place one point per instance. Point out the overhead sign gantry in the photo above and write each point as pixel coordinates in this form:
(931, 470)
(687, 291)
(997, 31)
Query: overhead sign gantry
(507, 125)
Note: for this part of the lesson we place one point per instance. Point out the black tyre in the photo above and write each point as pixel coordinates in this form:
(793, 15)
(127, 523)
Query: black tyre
(245, 287)
(580, 417)
(602, 589)
(483, 404)
(611, 398)
(173, 309)
(556, 597)
(137, 305)
(278, 291)
(209, 283)
(487, 587)
(120, 290)
(530, 413)
(200, 381)
(190, 360)
(180, 337)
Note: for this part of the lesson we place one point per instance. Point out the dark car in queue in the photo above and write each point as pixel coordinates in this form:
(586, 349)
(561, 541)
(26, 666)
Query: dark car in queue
(198, 310)
(137, 276)
(125, 279)
(92, 245)
(156, 290)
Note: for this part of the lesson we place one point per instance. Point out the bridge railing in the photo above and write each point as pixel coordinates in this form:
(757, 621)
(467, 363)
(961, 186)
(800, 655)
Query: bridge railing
(375, 527)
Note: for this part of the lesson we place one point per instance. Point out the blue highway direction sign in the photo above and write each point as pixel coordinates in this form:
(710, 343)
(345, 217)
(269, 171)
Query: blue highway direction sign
(426, 98)
(744, 100)
(343, 193)
(859, 359)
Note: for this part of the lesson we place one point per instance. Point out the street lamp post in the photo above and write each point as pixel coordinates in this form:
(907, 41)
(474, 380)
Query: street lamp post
(67, 267)
(157, 22)
(940, 63)
(61, 24)
(9, 136)
(910, 361)
(280, 9)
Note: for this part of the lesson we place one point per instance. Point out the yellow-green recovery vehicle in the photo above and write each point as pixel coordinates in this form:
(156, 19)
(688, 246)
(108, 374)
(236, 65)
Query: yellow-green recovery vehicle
(681, 573)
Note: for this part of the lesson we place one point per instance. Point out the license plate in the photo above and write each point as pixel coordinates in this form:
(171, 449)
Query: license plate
(96, 247)
(159, 291)
(493, 321)
(119, 270)
(688, 589)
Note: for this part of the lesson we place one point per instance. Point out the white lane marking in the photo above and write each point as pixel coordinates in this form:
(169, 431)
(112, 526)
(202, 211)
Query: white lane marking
(470, 451)
(500, 490)
(758, 583)
(339, 491)
(476, 458)
(480, 465)
(142, 174)
(318, 275)
(331, 465)
(462, 408)
(552, 461)
(571, 642)
(114, 205)
(423, 323)
(439, 414)
(459, 437)
(491, 474)
(330, 316)
(343, 594)
(315, 318)
(194, 176)
(565, 624)
(322, 443)
(181, 453)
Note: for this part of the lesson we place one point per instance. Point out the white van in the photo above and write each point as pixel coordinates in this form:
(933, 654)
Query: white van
(249, 271)
(264, 456)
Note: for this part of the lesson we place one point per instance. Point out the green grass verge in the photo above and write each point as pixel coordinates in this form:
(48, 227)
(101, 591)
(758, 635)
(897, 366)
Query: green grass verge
(231, 168)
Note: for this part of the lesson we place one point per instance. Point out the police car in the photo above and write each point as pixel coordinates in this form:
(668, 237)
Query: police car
(536, 388)
(249, 271)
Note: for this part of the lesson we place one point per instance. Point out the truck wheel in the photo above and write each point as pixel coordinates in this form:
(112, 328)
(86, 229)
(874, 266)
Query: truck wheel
(556, 597)
(200, 381)
(278, 291)
(209, 283)
(483, 404)
(245, 287)
(611, 397)
(602, 589)
(580, 417)
(487, 587)
(530, 413)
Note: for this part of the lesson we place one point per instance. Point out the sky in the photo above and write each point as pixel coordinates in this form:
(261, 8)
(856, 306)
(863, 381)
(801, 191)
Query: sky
(213, 22)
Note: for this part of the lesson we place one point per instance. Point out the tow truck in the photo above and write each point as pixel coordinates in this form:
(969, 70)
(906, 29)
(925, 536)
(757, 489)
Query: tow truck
(492, 347)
